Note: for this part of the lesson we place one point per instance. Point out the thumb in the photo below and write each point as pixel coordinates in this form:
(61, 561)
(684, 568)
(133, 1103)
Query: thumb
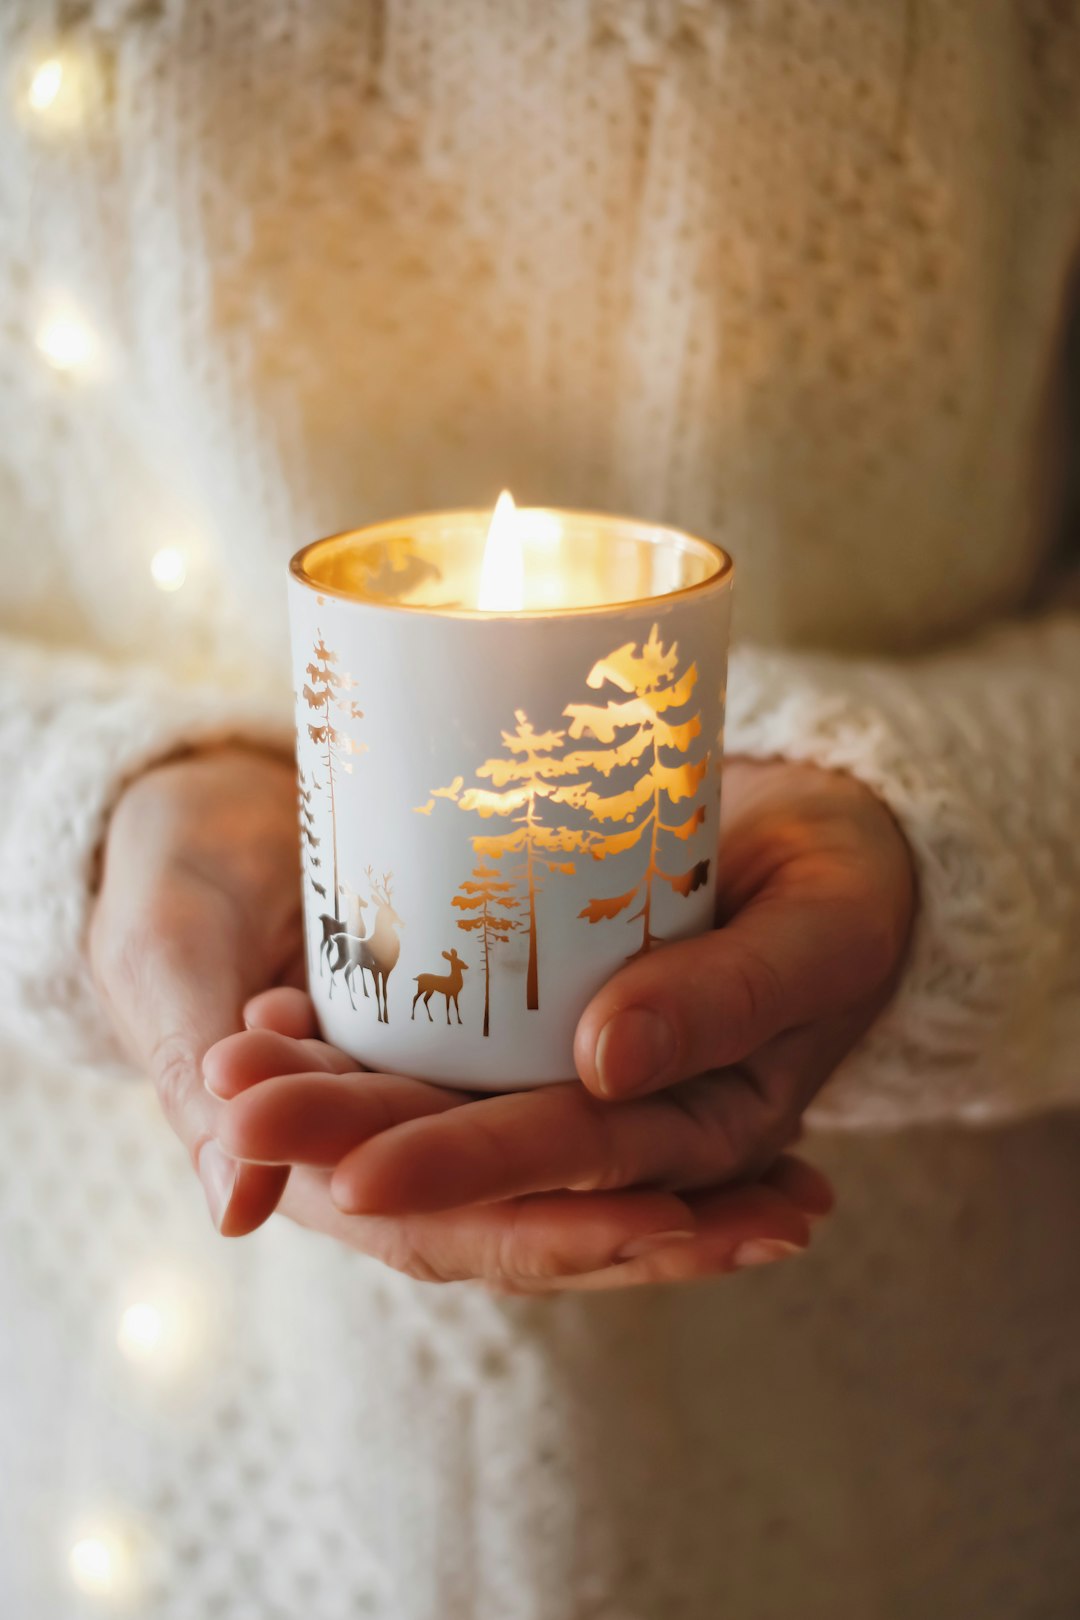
(711, 1002)
(185, 993)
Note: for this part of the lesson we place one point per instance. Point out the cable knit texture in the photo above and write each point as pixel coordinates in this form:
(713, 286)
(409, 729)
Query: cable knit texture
(792, 275)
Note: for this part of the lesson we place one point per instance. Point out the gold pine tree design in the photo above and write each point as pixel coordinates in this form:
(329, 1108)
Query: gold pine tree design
(652, 690)
(489, 897)
(325, 692)
(531, 777)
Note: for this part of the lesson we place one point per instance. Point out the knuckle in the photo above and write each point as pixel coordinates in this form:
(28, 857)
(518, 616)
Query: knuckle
(513, 1259)
(732, 1125)
(756, 997)
(401, 1252)
(172, 1065)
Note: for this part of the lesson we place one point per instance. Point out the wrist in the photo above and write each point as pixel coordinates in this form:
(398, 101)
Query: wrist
(189, 782)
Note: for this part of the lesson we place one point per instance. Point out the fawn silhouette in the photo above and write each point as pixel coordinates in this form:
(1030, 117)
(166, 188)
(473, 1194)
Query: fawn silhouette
(441, 984)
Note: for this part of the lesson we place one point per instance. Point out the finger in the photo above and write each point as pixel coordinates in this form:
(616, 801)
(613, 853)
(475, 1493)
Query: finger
(315, 1119)
(701, 1133)
(182, 994)
(710, 1002)
(244, 1059)
(525, 1240)
(285, 1011)
(735, 1228)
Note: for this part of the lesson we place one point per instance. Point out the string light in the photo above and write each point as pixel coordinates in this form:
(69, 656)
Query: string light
(45, 84)
(96, 1564)
(161, 1327)
(65, 342)
(140, 1332)
(168, 568)
(62, 91)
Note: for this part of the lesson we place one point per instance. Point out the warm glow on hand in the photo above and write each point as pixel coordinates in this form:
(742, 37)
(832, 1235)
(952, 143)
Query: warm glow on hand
(502, 573)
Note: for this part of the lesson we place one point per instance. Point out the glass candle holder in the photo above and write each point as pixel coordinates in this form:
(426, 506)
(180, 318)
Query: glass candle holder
(509, 738)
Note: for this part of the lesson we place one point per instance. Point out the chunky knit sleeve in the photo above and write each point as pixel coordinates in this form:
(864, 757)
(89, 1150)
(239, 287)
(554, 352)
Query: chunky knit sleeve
(73, 730)
(977, 752)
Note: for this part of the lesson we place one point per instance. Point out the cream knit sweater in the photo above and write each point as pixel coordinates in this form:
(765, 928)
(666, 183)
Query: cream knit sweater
(789, 274)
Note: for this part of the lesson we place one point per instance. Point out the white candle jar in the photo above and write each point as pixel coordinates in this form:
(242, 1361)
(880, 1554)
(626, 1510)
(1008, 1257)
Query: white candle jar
(499, 808)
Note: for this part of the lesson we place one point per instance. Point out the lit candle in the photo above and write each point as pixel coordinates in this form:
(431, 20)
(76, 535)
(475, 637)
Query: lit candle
(509, 733)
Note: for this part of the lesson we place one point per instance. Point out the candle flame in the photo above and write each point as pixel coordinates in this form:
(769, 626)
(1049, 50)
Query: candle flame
(502, 572)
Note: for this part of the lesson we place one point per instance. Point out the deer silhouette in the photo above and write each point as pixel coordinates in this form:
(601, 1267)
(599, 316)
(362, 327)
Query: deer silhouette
(353, 926)
(343, 955)
(330, 927)
(354, 909)
(375, 953)
(379, 952)
(441, 984)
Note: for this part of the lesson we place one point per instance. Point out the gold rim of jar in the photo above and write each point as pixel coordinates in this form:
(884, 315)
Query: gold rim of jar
(395, 528)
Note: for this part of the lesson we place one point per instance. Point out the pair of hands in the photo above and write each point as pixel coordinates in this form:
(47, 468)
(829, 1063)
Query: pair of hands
(646, 1169)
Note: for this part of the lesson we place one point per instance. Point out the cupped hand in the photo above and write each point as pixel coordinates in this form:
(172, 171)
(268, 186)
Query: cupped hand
(198, 910)
(291, 1097)
(698, 1059)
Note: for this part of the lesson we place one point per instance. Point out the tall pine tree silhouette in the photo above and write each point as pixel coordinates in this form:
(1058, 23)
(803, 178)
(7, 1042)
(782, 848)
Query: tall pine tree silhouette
(309, 843)
(489, 896)
(653, 689)
(533, 776)
(325, 693)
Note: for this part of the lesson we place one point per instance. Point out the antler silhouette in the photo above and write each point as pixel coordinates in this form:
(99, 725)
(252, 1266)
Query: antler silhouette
(382, 891)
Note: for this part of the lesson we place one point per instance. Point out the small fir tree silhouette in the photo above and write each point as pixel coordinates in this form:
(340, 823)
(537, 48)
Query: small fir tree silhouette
(533, 775)
(325, 693)
(489, 897)
(653, 689)
(309, 861)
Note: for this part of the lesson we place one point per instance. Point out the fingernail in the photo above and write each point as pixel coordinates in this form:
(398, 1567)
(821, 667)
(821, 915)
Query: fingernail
(632, 1049)
(651, 1242)
(217, 1172)
(762, 1252)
